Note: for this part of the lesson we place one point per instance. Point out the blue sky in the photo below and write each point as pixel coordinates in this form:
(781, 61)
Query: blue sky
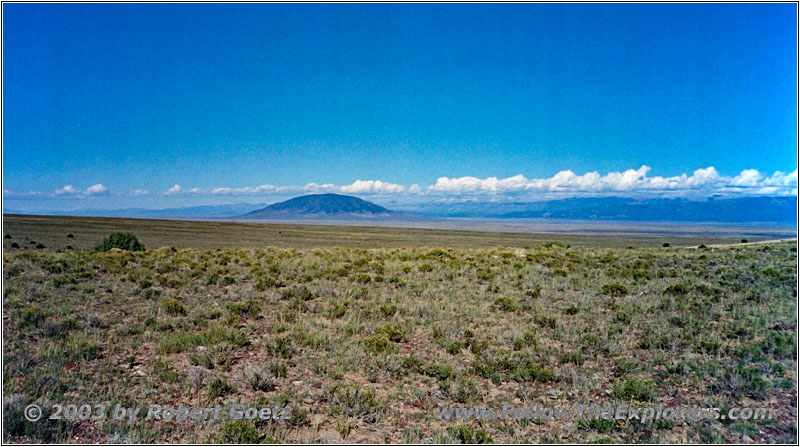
(168, 105)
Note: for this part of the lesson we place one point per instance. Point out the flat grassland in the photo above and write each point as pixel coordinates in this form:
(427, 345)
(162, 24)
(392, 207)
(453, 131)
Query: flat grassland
(365, 343)
(51, 232)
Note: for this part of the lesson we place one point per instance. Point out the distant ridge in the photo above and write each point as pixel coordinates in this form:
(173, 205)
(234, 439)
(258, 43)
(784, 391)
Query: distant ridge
(769, 210)
(322, 207)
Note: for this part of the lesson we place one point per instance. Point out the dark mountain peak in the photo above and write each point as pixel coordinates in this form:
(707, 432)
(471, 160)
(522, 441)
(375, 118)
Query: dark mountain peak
(320, 206)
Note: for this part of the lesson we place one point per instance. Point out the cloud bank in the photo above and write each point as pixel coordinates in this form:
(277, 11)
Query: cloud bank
(703, 182)
(70, 191)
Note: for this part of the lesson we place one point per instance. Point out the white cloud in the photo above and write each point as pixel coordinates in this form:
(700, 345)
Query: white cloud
(314, 187)
(68, 190)
(96, 189)
(633, 181)
(372, 187)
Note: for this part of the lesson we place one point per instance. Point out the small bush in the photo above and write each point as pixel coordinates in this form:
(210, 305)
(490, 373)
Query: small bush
(336, 309)
(257, 378)
(238, 432)
(353, 401)
(278, 370)
(528, 339)
(462, 390)
(122, 241)
(394, 332)
(249, 308)
(572, 357)
(379, 343)
(301, 293)
(677, 289)
(505, 304)
(219, 387)
(615, 289)
(545, 322)
(631, 388)
(173, 307)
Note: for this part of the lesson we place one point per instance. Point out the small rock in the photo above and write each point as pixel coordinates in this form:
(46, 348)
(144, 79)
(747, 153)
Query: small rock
(308, 400)
(297, 383)
(139, 373)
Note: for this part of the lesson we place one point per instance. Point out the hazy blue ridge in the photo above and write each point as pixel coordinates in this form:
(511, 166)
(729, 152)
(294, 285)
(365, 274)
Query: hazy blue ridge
(766, 210)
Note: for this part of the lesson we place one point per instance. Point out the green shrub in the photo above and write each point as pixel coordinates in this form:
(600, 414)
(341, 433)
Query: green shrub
(173, 307)
(546, 321)
(219, 387)
(632, 388)
(32, 316)
(677, 289)
(123, 241)
(615, 289)
(394, 332)
(278, 370)
(353, 401)
(467, 435)
(301, 293)
(239, 431)
(573, 357)
(528, 339)
(250, 308)
(336, 309)
(505, 304)
(379, 343)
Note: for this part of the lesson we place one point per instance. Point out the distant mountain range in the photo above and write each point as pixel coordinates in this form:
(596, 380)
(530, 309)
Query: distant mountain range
(767, 210)
(746, 209)
(190, 212)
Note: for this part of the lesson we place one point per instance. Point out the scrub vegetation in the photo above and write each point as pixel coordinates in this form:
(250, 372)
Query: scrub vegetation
(364, 343)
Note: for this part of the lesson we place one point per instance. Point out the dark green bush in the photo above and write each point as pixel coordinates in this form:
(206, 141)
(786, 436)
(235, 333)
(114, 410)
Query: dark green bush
(123, 241)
